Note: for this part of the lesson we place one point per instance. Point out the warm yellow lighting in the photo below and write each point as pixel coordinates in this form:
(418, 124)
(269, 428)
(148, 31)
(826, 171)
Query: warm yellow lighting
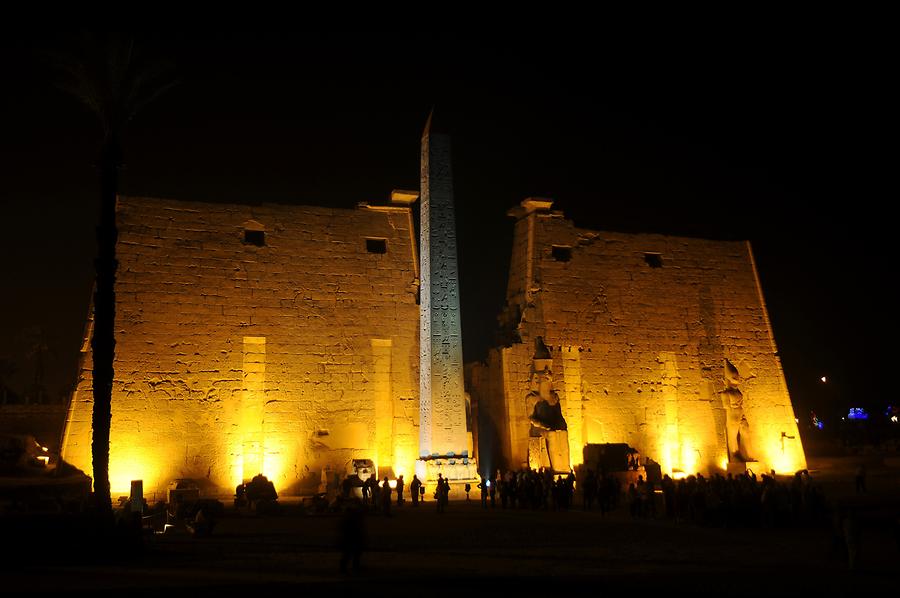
(130, 462)
(236, 466)
(392, 484)
(823, 379)
(723, 463)
(44, 459)
(783, 453)
(782, 464)
(677, 474)
(252, 406)
(404, 460)
(688, 456)
(275, 466)
(668, 463)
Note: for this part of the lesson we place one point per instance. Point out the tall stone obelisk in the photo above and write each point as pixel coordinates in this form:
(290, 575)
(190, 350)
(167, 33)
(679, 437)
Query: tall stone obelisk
(443, 438)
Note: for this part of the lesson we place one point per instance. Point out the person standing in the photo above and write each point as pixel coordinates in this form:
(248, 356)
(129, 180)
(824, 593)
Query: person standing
(400, 491)
(373, 491)
(386, 497)
(483, 486)
(365, 493)
(352, 537)
(414, 486)
(438, 493)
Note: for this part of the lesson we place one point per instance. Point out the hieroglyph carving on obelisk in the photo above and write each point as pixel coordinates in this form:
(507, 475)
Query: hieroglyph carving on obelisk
(442, 424)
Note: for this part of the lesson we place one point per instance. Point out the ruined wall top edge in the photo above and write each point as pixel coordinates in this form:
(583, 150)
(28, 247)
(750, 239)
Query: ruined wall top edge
(126, 202)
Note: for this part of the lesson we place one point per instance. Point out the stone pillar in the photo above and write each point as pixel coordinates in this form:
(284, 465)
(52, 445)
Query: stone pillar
(443, 442)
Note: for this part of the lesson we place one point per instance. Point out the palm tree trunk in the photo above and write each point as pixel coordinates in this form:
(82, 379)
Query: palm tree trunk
(103, 342)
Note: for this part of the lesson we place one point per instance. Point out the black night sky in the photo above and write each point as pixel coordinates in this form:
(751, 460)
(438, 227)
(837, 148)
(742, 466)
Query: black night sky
(778, 138)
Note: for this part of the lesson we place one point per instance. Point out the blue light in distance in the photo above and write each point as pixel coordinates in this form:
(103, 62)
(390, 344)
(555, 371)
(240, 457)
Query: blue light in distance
(857, 413)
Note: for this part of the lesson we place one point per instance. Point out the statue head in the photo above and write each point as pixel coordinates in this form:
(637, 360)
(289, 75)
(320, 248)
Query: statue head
(542, 384)
(732, 376)
(540, 349)
(541, 370)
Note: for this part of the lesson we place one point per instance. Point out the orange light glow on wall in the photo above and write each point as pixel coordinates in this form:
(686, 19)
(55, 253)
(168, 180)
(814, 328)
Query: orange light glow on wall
(128, 461)
(404, 461)
(689, 456)
(783, 453)
(275, 464)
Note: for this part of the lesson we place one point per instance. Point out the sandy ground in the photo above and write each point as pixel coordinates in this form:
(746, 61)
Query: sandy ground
(471, 550)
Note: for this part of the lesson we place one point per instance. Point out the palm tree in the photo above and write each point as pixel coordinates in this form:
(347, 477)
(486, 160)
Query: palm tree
(107, 75)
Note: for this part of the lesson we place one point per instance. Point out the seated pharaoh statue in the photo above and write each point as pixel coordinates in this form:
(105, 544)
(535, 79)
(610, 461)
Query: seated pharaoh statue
(548, 438)
(736, 426)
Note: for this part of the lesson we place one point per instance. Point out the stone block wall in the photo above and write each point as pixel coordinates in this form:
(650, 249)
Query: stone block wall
(639, 327)
(287, 354)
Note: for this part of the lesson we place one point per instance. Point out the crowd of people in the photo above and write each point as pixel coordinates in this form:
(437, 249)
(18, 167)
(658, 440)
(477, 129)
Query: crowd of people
(741, 500)
(733, 501)
(528, 488)
(745, 500)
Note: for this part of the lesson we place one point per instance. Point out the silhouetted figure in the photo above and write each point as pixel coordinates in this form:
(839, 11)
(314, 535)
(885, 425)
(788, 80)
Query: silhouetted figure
(260, 491)
(373, 491)
(400, 491)
(414, 487)
(492, 490)
(633, 501)
(365, 493)
(352, 537)
(850, 529)
(668, 488)
(240, 496)
(442, 494)
(483, 486)
(386, 497)
(468, 489)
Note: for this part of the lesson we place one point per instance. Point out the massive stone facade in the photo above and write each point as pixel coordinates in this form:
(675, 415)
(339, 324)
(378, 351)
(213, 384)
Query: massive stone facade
(654, 341)
(285, 340)
(273, 339)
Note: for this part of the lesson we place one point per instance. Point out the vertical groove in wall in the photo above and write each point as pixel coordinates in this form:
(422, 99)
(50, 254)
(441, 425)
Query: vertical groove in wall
(384, 406)
(253, 401)
(574, 414)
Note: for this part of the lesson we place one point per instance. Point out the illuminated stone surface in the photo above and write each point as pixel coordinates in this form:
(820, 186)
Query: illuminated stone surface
(640, 327)
(290, 357)
(442, 431)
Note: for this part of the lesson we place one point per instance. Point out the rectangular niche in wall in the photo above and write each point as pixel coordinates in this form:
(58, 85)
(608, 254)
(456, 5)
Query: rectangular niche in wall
(561, 253)
(376, 245)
